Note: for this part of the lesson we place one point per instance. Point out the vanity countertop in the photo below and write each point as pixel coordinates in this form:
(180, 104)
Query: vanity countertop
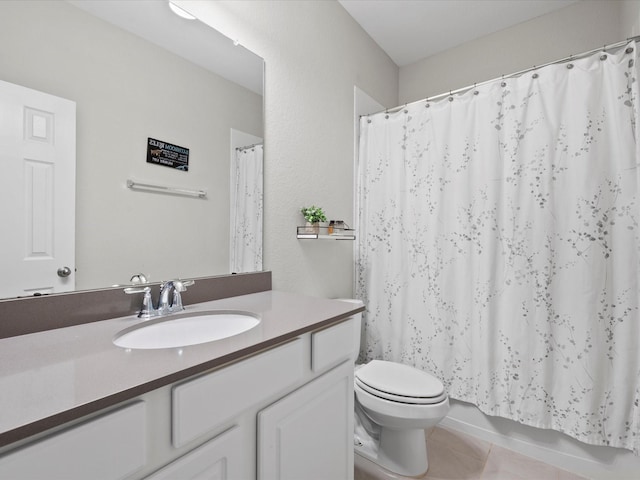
(56, 376)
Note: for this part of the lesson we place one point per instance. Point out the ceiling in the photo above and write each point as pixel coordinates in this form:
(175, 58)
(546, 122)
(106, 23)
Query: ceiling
(193, 40)
(411, 30)
(407, 30)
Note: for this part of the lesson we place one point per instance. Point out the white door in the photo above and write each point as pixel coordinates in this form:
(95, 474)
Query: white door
(37, 192)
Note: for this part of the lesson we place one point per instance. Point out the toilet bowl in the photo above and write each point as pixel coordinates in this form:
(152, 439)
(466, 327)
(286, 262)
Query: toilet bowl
(402, 401)
(394, 404)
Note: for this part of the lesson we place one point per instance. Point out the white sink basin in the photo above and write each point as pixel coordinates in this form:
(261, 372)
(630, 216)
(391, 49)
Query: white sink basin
(186, 329)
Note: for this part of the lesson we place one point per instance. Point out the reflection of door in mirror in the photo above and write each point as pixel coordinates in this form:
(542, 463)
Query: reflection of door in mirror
(136, 71)
(246, 195)
(37, 192)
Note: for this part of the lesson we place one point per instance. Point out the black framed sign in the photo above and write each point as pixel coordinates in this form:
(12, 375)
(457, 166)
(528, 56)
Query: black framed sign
(167, 154)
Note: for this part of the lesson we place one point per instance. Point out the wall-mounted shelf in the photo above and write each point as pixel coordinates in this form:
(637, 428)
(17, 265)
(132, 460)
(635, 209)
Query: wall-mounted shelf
(325, 233)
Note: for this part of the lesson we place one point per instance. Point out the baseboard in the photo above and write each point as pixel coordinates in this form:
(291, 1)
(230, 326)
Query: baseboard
(554, 448)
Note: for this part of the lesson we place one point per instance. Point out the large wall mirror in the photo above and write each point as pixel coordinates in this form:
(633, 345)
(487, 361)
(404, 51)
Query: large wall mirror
(135, 71)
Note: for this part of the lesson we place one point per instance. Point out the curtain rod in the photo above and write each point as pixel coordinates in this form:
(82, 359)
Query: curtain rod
(511, 75)
(248, 147)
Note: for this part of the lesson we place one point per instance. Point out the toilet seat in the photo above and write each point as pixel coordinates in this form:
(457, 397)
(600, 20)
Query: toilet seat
(399, 383)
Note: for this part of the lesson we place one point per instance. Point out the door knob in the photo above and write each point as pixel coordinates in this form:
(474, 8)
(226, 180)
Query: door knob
(64, 272)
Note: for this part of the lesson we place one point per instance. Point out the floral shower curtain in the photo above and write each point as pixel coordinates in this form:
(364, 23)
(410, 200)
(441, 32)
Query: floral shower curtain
(246, 210)
(498, 245)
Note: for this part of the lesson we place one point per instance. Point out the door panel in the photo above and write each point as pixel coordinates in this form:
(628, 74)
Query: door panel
(37, 191)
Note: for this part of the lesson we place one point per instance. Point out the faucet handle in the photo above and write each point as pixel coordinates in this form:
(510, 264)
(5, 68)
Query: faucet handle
(130, 290)
(147, 310)
(176, 305)
(138, 279)
(181, 285)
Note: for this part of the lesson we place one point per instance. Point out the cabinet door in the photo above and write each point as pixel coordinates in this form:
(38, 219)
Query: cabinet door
(218, 459)
(309, 433)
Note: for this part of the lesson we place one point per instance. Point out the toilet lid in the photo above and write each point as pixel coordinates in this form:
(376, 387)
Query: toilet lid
(399, 383)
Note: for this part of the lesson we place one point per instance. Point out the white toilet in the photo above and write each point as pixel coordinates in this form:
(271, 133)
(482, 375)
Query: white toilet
(394, 404)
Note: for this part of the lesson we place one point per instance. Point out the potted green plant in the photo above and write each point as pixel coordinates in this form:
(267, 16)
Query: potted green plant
(313, 215)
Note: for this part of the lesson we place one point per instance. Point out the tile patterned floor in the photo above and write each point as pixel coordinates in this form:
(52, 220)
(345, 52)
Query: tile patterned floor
(456, 456)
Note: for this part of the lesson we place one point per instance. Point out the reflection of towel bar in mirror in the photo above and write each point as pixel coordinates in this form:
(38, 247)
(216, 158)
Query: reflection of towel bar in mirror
(164, 189)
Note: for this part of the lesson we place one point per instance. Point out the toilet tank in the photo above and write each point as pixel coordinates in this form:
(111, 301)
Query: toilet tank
(357, 327)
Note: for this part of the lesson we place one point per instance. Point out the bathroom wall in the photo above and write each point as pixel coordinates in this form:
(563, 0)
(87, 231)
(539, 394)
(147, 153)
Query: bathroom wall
(630, 17)
(574, 29)
(314, 55)
(126, 90)
(578, 28)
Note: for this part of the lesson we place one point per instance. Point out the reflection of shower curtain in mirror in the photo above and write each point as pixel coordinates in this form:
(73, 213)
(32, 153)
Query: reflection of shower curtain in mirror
(246, 210)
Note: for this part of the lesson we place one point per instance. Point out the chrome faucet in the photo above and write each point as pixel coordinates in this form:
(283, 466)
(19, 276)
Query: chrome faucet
(164, 307)
(163, 298)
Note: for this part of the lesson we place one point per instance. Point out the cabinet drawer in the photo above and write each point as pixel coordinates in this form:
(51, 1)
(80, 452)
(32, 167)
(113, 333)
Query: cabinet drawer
(207, 402)
(333, 345)
(109, 447)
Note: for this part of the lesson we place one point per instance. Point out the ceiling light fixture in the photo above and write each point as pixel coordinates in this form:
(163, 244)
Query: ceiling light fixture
(181, 12)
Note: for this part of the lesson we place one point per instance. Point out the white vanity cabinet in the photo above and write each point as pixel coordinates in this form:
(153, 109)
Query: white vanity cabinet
(293, 403)
(283, 413)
